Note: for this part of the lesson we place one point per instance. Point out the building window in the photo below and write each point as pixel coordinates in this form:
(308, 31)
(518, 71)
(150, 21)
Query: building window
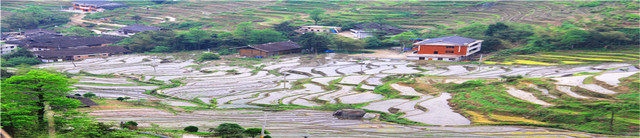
(448, 51)
(435, 52)
(450, 47)
(452, 59)
(439, 58)
(11, 46)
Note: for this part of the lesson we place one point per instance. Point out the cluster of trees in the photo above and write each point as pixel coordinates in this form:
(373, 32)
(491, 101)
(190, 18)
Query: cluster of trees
(231, 130)
(34, 103)
(196, 39)
(18, 57)
(515, 38)
(33, 17)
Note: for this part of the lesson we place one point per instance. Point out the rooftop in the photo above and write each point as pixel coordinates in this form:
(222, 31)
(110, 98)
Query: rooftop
(457, 40)
(57, 41)
(80, 51)
(275, 46)
(140, 28)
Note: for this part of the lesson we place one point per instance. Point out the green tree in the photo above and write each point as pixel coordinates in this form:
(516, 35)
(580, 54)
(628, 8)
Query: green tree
(229, 130)
(372, 42)
(161, 49)
(33, 17)
(611, 38)
(316, 15)
(495, 28)
(254, 131)
(404, 38)
(191, 129)
(286, 29)
(89, 95)
(243, 30)
(196, 39)
(130, 125)
(24, 98)
(347, 44)
(137, 18)
(79, 31)
(147, 40)
(265, 36)
(314, 42)
(574, 37)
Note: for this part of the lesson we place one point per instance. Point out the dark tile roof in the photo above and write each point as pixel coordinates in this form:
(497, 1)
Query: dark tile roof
(80, 51)
(276, 46)
(110, 5)
(57, 41)
(140, 28)
(85, 101)
(39, 31)
(457, 40)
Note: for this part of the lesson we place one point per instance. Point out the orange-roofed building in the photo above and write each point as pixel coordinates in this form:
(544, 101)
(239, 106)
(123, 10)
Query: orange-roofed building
(450, 48)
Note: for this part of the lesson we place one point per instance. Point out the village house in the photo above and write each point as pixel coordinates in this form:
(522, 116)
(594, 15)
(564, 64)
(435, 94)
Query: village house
(450, 48)
(95, 5)
(12, 36)
(79, 53)
(316, 28)
(130, 30)
(52, 42)
(269, 49)
(7, 48)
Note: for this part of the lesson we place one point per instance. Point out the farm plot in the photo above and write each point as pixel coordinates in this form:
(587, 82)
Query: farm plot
(353, 80)
(331, 97)
(567, 58)
(613, 79)
(360, 98)
(401, 69)
(439, 113)
(404, 90)
(525, 96)
(275, 97)
(383, 106)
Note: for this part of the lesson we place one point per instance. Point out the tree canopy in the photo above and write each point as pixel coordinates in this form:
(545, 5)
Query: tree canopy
(33, 17)
(24, 98)
(227, 130)
(316, 15)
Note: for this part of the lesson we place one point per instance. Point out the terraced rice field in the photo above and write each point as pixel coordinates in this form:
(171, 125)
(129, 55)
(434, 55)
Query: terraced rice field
(568, 58)
(246, 88)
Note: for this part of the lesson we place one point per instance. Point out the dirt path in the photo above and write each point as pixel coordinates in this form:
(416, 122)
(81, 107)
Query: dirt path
(77, 19)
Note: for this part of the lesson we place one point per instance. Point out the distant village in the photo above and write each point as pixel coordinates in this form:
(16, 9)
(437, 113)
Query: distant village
(51, 46)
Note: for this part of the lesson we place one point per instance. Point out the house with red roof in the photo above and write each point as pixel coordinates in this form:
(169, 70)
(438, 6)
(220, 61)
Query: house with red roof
(450, 48)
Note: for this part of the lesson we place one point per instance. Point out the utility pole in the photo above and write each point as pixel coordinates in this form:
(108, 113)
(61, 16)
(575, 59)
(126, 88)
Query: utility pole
(284, 83)
(480, 61)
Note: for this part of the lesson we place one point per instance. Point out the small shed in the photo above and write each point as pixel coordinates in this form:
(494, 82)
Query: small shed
(269, 49)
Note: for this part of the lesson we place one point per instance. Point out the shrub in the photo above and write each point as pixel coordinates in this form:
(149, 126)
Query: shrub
(130, 125)
(120, 99)
(89, 95)
(229, 130)
(472, 84)
(208, 56)
(191, 129)
(255, 131)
